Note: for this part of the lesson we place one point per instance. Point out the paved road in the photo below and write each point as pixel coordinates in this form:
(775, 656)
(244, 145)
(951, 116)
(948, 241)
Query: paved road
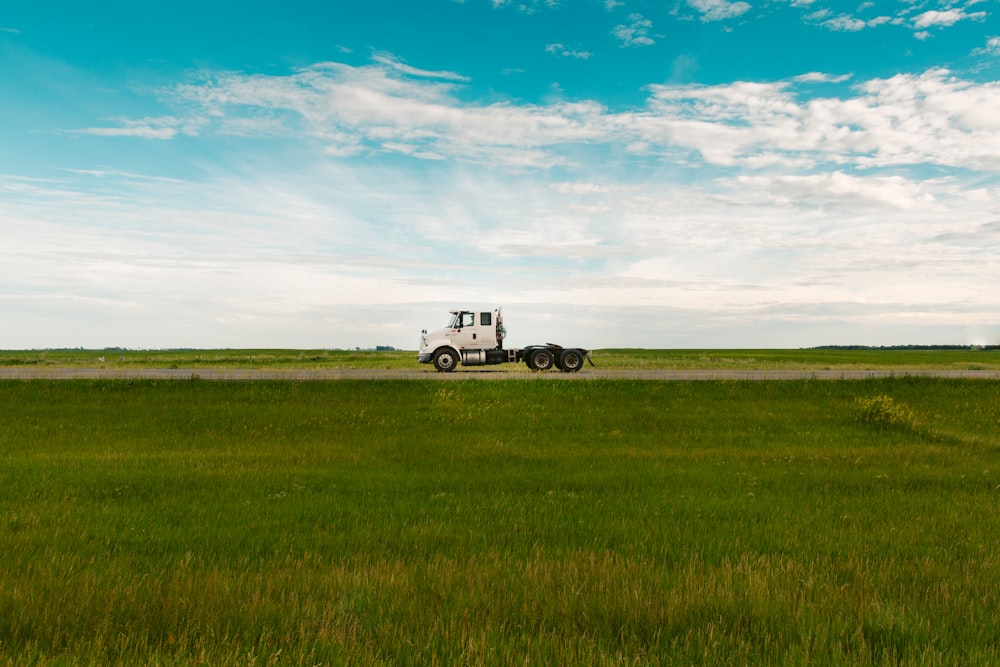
(301, 375)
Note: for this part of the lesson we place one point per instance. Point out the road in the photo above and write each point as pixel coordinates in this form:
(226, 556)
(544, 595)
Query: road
(326, 374)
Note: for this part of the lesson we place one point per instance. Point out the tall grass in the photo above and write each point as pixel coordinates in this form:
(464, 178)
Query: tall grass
(496, 522)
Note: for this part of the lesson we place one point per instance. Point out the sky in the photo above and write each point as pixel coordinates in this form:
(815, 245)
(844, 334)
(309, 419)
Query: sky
(613, 173)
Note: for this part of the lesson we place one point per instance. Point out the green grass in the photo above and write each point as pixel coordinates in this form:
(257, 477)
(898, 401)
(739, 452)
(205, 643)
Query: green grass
(804, 359)
(601, 522)
(264, 359)
(955, 359)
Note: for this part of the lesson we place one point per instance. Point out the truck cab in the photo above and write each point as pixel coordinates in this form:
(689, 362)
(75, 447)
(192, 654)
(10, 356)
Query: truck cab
(465, 339)
(474, 330)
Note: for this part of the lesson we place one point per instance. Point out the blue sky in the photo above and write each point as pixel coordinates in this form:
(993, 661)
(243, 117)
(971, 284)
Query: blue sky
(614, 173)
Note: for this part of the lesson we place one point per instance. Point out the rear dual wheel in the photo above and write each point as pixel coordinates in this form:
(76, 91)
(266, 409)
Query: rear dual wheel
(541, 360)
(570, 361)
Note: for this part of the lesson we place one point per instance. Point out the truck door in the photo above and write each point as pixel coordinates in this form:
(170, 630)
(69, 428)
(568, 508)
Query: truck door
(465, 333)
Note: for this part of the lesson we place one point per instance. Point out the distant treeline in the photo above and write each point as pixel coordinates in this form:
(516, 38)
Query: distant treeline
(906, 347)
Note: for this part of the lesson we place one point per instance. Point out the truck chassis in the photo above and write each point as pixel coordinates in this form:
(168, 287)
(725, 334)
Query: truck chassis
(535, 357)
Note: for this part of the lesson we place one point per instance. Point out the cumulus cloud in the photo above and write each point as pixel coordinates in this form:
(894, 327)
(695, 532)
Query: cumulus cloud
(635, 33)
(933, 118)
(847, 22)
(945, 18)
(718, 10)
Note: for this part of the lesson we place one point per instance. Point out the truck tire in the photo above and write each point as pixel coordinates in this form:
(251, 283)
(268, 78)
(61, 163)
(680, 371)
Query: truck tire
(446, 359)
(570, 361)
(541, 360)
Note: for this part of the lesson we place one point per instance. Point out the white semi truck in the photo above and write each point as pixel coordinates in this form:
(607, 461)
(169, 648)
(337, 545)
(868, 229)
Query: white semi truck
(475, 338)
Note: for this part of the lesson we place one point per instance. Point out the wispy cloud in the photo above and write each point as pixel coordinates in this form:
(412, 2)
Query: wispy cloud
(931, 118)
(394, 63)
(379, 108)
(992, 47)
(167, 127)
(564, 52)
(821, 77)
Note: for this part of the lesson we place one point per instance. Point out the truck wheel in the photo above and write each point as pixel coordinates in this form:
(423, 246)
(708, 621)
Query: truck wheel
(570, 361)
(542, 360)
(445, 360)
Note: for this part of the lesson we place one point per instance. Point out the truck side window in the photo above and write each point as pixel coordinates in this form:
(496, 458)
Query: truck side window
(468, 319)
(485, 319)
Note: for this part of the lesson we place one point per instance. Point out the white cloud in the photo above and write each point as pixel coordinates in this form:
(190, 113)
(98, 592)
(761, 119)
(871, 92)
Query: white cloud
(319, 255)
(378, 108)
(821, 77)
(391, 61)
(945, 18)
(580, 188)
(808, 217)
(839, 190)
(718, 10)
(845, 23)
(564, 52)
(167, 127)
(856, 22)
(635, 33)
(933, 118)
(992, 47)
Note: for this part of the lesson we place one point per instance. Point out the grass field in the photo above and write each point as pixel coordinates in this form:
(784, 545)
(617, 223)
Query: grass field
(606, 522)
(950, 359)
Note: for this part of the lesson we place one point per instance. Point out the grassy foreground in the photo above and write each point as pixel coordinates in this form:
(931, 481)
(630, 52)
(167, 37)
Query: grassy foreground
(606, 522)
(806, 359)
